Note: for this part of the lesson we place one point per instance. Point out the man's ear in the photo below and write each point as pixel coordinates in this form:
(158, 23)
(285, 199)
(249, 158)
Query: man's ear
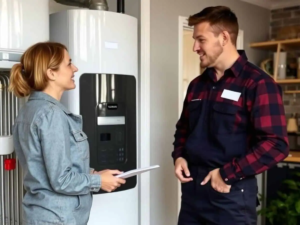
(225, 38)
(51, 74)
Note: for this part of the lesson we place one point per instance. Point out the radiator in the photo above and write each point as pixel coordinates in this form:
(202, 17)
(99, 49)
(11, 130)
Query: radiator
(11, 176)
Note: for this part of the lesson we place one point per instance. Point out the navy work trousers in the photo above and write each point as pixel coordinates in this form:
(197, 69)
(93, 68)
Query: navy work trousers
(202, 205)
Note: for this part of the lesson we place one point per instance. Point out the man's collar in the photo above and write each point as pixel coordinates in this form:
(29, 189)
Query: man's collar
(239, 64)
(235, 69)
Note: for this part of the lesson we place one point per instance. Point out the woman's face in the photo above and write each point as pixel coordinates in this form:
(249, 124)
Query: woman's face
(64, 77)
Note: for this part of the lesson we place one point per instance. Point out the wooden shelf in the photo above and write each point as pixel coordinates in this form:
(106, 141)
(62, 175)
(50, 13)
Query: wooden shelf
(272, 45)
(293, 157)
(292, 92)
(288, 81)
(278, 46)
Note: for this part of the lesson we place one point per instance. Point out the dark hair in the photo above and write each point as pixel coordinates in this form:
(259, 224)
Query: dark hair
(30, 73)
(220, 18)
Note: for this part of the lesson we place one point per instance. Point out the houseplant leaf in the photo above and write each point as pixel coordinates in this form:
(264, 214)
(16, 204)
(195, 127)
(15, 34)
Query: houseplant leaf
(297, 206)
(292, 184)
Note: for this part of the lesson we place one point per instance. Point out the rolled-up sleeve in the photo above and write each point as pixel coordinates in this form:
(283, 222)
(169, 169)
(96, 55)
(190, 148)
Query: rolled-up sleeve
(54, 137)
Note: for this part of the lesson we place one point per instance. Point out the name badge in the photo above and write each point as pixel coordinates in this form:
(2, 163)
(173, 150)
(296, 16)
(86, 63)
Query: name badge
(232, 95)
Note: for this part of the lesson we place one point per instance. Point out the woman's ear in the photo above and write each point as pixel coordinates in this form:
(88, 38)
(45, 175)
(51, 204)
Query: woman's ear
(51, 75)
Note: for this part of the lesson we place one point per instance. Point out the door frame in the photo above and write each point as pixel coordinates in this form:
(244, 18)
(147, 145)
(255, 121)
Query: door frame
(144, 137)
(182, 25)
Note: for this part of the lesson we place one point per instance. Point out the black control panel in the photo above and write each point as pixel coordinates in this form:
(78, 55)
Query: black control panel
(108, 109)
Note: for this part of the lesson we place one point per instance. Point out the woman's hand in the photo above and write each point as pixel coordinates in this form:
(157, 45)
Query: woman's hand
(109, 182)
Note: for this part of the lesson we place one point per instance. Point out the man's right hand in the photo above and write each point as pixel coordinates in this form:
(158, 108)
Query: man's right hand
(109, 182)
(181, 167)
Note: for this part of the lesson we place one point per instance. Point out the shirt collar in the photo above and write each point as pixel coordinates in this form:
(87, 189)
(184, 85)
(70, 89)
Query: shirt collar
(239, 64)
(39, 95)
(236, 68)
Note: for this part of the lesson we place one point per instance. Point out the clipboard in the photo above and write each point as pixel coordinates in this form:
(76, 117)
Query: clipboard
(135, 172)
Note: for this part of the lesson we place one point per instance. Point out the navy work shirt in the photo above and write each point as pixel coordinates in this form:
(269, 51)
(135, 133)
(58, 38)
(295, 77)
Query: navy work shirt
(236, 124)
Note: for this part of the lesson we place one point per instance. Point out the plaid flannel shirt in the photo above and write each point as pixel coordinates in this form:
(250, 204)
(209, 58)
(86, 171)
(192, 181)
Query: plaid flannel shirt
(258, 112)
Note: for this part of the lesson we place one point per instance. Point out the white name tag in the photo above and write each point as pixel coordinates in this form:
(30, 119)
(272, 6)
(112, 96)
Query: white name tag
(232, 95)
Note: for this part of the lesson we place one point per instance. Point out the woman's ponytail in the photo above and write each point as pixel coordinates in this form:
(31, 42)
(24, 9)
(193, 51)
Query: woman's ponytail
(18, 85)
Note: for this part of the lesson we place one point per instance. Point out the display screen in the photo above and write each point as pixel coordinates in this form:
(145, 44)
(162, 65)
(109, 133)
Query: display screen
(105, 137)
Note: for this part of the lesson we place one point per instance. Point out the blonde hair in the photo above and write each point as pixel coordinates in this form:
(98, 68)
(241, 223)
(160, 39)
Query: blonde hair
(31, 73)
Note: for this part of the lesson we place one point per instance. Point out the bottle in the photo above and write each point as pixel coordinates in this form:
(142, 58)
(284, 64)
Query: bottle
(292, 126)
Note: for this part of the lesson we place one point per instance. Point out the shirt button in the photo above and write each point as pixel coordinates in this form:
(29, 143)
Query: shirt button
(242, 190)
(241, 178)
(226, 179)
(213, 87)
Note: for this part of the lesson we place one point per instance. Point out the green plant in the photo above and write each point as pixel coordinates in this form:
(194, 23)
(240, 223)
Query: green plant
(286, 208)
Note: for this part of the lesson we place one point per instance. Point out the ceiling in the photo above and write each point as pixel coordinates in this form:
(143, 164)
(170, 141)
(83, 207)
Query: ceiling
(274, 4)
(269, 4)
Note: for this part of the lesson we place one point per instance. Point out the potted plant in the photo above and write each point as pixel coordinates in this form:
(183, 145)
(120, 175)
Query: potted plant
(285, 209)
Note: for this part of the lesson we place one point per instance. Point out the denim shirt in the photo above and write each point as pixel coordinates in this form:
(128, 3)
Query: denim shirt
(54, 154)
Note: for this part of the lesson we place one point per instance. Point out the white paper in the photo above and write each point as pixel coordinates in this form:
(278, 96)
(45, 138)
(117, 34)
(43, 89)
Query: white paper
(135, 172)
(232, 95)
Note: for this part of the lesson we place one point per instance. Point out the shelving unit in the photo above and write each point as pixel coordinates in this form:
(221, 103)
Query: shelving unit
(292, 92)
(293, 157)
(285, 45)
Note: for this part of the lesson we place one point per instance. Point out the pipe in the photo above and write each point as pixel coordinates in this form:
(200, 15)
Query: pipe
(91, 4)
(2, 202)
(77, 3)
(98, 5)
(120, 6)
(2, 190)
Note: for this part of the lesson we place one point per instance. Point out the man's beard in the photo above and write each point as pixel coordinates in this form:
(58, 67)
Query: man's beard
(211, 59)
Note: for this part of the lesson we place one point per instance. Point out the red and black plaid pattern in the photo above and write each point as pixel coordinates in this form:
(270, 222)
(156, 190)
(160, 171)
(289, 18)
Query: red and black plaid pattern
(258, 113)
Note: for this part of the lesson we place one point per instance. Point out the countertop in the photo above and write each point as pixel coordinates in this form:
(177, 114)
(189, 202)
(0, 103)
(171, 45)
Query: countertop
(293, 157)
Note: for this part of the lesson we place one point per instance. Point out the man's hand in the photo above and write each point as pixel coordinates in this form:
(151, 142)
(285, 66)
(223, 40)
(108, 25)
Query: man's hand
(180, 168)
(109, 182)
(217, 182)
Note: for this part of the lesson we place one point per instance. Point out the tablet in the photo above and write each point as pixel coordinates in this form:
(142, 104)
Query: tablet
(135, 172)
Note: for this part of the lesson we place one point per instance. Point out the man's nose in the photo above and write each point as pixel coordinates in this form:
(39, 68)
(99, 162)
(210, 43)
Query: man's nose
(196, 46)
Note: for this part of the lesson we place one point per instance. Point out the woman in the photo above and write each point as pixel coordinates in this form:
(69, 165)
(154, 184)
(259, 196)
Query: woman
(50, 144)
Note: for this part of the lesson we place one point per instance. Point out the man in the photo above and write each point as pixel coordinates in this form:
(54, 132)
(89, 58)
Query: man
(232, 127)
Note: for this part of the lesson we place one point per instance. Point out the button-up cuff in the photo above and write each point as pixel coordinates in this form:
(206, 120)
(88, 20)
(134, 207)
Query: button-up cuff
(95, 182)
(91, 170)
(228, 175)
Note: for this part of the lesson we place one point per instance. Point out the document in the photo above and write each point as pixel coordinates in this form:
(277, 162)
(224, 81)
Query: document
(135, 172)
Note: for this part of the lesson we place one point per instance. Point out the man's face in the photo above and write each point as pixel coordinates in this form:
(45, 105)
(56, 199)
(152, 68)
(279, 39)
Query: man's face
(207, 44)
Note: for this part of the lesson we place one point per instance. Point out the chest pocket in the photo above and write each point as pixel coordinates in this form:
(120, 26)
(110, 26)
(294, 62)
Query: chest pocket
(194, 108)
(223, 118)
(81, 143)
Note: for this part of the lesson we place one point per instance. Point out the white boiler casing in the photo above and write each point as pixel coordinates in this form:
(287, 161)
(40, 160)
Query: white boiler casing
(23, 23)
